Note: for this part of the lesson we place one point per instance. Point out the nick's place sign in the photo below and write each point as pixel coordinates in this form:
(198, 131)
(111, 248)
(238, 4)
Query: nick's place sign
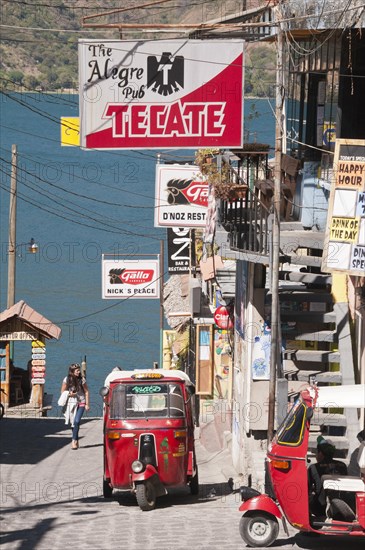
(154, 94)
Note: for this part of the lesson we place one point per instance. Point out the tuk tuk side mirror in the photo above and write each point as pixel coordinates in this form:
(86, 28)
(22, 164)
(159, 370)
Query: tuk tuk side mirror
(104, 391)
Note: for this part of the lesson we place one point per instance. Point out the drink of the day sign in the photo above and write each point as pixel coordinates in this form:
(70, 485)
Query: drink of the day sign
(130, 278)
(345, 235)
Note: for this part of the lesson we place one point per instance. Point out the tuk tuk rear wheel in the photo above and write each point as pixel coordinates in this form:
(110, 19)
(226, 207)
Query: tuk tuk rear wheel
(107, 490)
(259, 529)
(146, 496)
(194, 483)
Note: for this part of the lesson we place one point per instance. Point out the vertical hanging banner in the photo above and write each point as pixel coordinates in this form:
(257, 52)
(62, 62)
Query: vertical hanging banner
(344, 249)
(161, 93)
(179, 250)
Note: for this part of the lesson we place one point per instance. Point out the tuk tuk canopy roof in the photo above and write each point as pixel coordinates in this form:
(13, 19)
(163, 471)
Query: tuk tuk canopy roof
(166, 373)
(346, 396)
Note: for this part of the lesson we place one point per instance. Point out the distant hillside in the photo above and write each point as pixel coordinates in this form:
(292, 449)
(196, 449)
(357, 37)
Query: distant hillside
(34, 58)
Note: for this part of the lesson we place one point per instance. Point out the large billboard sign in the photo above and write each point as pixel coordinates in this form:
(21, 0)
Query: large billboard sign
(130, 278)
(181, 197)
(161, 94)
(344, 250)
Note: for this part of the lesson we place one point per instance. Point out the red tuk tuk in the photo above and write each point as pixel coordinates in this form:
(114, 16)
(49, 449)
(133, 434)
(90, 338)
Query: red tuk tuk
(148, 434)
(343, 496)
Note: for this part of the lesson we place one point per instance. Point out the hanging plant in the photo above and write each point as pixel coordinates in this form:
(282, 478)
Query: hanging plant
(218, 179)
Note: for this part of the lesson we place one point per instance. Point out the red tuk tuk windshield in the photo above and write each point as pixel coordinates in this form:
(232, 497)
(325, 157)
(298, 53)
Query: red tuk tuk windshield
(291, 430)
(143, 400)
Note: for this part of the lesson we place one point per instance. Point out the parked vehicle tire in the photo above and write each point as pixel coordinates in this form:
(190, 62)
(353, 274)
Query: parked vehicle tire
(341, 511)
(194, 483)
(146, 496)
(2, 410)
(259, 529)
(107, 490)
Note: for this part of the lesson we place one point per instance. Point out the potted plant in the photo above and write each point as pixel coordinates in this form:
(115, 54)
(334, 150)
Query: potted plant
(218, 179)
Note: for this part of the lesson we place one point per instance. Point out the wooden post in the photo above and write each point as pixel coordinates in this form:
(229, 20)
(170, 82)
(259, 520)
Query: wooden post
(275, 264)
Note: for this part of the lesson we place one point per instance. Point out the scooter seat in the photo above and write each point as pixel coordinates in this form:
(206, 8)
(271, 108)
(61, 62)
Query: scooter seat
(343, 483)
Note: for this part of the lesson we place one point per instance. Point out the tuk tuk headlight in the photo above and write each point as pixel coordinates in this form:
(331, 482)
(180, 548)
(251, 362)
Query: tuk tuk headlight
(137, 466)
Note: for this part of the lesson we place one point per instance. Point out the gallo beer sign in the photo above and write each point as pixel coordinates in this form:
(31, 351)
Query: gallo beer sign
(130, 279)
(161, 94)
(181, 197)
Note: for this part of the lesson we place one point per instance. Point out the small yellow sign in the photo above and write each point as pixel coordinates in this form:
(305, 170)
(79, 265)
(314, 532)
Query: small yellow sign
(70, 131)
(344, 229)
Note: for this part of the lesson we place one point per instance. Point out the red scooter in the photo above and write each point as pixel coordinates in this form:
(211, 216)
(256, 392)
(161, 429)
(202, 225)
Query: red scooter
(287, 469)
(148, 434)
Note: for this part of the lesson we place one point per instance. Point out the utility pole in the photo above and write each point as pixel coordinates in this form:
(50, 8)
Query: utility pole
(275, 315)
(12, 228)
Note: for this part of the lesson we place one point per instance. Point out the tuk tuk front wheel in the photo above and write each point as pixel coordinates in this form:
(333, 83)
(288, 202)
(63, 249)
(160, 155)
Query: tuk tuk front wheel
(259, 529)
(146, 496)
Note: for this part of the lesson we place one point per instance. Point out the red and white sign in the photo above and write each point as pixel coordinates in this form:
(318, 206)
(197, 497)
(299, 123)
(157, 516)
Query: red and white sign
(181, 197)
(222, 318)
(161, 93)
(130, 278)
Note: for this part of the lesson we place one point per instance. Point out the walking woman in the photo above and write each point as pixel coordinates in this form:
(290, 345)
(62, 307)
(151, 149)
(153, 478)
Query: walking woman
(78, 400)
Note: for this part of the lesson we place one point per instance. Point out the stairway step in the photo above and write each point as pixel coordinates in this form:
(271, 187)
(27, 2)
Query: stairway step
(339, 441)
(329, 419)
(308, 316)
(327, 377)
(289, 295)
(303, 277)
(318, 336)
(294, 259)
(316, 356)
(292, 240)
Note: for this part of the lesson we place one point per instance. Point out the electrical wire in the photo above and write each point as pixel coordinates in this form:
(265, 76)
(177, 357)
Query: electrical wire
(80, 195)
(120, 302)
(108, 227)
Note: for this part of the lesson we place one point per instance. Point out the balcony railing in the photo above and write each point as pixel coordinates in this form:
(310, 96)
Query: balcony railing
(245, 218)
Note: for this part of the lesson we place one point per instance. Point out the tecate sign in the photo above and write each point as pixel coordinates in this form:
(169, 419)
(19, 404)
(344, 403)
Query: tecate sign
(130, 279)
(181, 197)
(163, 93)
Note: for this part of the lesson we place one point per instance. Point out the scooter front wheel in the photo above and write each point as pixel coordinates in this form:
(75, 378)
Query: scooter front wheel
(146, 496)
(259, 529)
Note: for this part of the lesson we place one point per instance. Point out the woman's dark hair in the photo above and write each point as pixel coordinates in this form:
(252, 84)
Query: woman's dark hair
(74, 382)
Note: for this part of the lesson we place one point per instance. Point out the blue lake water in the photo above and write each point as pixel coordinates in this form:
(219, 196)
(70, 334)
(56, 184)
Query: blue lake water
(78, 205)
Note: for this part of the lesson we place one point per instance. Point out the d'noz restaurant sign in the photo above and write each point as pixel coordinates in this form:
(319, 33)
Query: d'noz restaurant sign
(130, 279)
(163, 93)
(181, 197)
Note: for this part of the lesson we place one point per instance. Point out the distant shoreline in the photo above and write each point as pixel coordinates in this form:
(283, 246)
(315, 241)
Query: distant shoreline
(74, 91)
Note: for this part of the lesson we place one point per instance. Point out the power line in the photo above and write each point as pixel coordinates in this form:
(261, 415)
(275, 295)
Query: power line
(100, 201)
(109, 228)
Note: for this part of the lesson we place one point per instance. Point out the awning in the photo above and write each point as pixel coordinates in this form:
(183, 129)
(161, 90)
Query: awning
(31, 318)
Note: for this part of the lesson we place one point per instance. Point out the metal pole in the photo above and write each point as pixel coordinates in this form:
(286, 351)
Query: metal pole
(12, 228)
(275, 318)
(162, 261)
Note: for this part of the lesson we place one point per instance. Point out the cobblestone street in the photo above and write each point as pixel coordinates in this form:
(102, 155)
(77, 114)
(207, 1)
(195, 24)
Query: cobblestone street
(51, 497)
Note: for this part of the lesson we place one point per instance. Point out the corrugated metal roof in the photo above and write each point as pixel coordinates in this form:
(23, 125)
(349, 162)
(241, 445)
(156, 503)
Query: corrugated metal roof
(28, 315)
